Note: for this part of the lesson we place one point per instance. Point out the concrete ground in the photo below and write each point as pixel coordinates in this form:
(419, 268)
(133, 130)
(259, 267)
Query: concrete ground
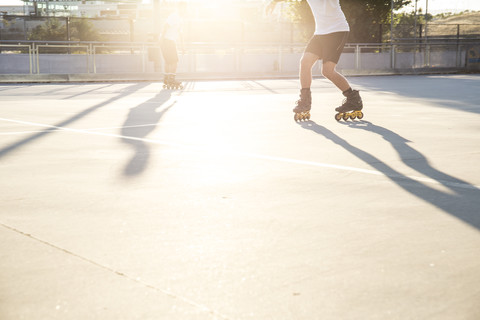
(127, 201)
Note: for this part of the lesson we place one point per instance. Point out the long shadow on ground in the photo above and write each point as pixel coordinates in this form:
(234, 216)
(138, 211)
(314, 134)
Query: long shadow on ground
(141, 121)
(462, 201)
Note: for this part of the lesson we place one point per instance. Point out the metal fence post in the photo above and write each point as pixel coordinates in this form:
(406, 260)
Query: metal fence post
(35, 50)
(30, 58)
(144, 50)
(89, 53)
(280, 58)
(393, 50)
(427, 55)
(237, 59)
(357, 57)
(94, 60)
(194, 63)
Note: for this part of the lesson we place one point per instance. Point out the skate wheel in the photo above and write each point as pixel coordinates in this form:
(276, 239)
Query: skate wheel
(307, 116)
(296, 117)
(338, 116)
(345, 116)
(353, 115)
(359, 114)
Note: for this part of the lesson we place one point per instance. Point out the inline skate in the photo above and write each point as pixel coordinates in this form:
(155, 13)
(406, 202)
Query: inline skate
(304, 104)
(351, 108)
(170, 83)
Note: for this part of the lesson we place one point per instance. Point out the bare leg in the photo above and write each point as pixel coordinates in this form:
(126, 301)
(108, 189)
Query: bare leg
(329, 72)
(170, 68)
(306, 65)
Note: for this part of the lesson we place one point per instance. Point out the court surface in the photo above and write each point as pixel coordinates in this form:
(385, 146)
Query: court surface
(127, 201)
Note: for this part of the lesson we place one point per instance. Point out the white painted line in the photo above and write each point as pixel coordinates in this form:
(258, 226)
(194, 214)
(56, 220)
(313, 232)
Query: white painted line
(253, 155)
(20, 132)
(123, 127)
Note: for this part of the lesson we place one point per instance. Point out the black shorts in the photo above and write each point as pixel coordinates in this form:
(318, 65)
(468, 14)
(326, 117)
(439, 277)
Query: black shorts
(328, 47)
(169, 51)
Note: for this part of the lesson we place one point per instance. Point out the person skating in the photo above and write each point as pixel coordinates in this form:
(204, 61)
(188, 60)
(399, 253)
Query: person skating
(168, 43)
(327, 43)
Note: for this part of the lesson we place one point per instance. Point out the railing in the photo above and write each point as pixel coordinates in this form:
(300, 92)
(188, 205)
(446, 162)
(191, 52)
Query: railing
(421, 53)
(219, 58)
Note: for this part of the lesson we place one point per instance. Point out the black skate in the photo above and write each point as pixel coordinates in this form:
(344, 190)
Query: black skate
(170, 83)
(166, 81)
(351, 108)
(302, 110)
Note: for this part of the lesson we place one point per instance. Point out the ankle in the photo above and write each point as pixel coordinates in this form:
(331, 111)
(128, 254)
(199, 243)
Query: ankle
(347, 92)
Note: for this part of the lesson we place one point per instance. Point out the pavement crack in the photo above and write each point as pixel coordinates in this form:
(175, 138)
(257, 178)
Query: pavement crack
(171, 294)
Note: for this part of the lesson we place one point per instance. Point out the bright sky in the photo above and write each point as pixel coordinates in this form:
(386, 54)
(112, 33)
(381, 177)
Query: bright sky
(438, 6)
(434, 6)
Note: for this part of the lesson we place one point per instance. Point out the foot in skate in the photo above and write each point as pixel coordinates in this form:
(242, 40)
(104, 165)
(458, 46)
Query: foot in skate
(351, 108)
(302, 109)
(170, 83)
(177, 85)
(166, 82)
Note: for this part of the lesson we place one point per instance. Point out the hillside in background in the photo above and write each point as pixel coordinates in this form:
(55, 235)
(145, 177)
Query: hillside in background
(460, 18)
(447, 25)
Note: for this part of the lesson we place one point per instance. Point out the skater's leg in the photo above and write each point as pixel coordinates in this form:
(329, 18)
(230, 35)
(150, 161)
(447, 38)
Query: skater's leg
(353, 101)
(306, 65)
(304, 105)
(329, 72)
(173, 68)
(170, 68)
(167, 73)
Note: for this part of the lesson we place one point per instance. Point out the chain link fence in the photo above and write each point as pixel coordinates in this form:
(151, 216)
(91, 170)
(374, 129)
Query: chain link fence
(197, 30)
(403, 32)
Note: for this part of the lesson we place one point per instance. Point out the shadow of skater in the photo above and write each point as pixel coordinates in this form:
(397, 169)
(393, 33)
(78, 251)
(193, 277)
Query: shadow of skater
(409, 155)
(141, 121)
(462, 201)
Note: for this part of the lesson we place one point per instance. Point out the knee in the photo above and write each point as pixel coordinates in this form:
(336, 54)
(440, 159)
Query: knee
(307, 62)
(328, 72)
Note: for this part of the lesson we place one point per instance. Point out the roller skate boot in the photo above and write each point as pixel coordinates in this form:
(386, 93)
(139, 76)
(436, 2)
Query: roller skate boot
(351, 108)
(166, 81)
(177, 85)
(170, 83)
(302, 109)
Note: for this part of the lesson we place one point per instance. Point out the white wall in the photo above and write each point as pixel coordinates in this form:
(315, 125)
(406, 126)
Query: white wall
(228, 64)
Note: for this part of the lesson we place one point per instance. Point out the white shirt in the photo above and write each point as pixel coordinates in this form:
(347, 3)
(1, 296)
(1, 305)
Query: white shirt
(329, 17)
(173, 28)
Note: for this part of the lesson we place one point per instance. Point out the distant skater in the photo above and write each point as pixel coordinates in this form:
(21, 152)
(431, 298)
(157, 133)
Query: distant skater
(168, 42)
(327, 43)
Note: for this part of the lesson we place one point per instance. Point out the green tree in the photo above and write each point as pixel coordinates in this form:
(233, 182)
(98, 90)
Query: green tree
(367, 17)
(404, 27)
(52, 30)
(299, 12)
(83, 30)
